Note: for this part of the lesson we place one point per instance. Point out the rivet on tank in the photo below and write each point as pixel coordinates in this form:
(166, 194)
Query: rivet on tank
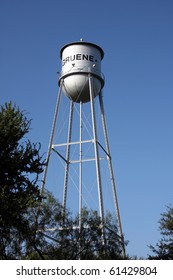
(79, 60)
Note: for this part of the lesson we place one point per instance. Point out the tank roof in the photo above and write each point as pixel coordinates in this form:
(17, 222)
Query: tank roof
(82, 43)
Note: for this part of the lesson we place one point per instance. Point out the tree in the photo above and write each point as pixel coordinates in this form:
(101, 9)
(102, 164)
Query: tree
(20, 166)
(91, 243)
(55, 237)
(164, 248)
(43, 220)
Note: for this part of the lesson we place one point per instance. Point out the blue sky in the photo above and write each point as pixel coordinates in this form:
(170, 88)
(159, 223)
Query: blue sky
(137, 38)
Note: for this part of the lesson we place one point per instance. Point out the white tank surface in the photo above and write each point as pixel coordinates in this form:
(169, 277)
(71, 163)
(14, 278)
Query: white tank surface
(79, 60)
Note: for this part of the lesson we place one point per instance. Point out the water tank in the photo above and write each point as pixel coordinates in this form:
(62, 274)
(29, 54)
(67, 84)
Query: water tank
(79, 60)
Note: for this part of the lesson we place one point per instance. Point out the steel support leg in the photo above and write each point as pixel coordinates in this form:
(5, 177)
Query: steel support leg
(111, 174)
(51, 139)
(80, 169)
(67, 157)
(98, 174)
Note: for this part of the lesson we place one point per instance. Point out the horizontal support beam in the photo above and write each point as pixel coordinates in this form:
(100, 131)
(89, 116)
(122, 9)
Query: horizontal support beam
(72, 143)
(85, 160)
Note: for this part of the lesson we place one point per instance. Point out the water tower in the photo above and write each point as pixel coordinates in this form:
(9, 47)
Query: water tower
(84, 145)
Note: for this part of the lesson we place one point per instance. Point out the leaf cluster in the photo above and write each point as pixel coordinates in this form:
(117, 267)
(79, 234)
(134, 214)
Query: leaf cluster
(164, 248)
(59, 237)
(20, 166)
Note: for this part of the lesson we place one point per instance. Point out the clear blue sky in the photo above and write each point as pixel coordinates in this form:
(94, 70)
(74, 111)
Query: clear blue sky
(137, 37)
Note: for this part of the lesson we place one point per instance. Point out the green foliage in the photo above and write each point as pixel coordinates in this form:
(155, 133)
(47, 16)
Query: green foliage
(43, 220)
(19, 162)
(59, 237)
(164, 248)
